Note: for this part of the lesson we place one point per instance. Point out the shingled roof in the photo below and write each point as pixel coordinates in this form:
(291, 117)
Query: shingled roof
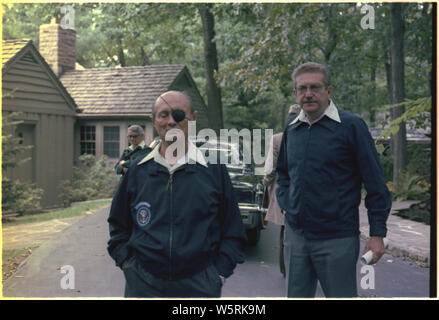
(120, 91)
(22, 52)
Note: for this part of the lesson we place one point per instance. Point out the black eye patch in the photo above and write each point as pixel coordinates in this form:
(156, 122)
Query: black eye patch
(178, 115)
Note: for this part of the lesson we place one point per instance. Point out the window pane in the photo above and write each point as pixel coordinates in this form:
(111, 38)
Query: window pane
(111, 142)
(87, 140)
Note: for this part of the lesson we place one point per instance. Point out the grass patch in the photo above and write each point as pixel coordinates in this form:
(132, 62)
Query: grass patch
(12, 258)
(74, 211)
(14, 253)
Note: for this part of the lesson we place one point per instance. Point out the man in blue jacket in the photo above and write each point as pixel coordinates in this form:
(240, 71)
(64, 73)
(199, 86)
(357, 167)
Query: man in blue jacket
(325, 157)
(175, 225)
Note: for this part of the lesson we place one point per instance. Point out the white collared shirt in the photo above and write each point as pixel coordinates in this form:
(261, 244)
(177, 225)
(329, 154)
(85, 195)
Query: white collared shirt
(192, 156)
(141, 144)
(331, 112)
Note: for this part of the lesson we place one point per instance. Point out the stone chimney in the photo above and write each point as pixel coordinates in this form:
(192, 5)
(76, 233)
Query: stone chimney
(58, 46)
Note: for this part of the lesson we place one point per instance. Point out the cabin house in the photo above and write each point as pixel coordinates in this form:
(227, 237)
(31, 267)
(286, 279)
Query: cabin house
(69, 112)
(111, 99)
(48, 115)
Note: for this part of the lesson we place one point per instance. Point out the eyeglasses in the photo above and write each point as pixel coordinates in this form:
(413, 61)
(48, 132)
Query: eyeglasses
(314, 88)
(133, 136)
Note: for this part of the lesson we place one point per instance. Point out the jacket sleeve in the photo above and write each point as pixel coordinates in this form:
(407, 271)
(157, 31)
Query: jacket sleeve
(378, 200)
(118, 168)
(269, 167)
(120, 223)
(233, 236)
(283, 178)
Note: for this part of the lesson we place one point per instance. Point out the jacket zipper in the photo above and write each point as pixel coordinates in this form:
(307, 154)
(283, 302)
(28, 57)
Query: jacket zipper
(169, 187)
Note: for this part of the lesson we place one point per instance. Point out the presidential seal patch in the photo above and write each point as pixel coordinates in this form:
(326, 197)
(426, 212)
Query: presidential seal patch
(143, 213)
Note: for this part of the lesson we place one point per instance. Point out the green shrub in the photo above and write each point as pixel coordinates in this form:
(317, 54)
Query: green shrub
(20, 197)
(17, 196)
(416, 179)
(420, 212)
(411, 187)
(419, 159)
(91, 180)
(387, 166)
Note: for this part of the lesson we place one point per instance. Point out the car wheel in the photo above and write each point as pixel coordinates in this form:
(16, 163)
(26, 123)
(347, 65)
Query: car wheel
(253, 236)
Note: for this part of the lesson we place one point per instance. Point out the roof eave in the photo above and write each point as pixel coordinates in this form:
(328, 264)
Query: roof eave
(112, 115)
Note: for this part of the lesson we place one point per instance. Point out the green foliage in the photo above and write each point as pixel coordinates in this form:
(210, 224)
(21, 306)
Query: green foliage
(70, 212)
(21, 21)
(411, 187)
(419, 162)
(20, 197)
(414, 182)
(417, 114)
(11, 147)
(259, 45)
(295, 33)
(387, 166)
(91, 180)
(278, 36)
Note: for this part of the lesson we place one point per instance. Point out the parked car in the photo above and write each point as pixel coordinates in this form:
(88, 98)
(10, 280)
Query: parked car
(249, 191)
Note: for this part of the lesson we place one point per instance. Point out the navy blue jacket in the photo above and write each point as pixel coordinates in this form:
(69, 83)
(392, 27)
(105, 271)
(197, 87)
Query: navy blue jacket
(177, 225)
(129, 155)
(321, 169)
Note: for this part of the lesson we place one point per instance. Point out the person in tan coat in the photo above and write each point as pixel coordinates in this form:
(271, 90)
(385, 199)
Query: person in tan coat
(274, 214)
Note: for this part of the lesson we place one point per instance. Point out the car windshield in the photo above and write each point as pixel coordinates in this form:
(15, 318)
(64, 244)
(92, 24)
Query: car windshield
(226, 154)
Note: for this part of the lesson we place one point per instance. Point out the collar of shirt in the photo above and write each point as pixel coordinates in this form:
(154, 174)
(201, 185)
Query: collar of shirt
(331, 112)
(141, 145)
(191, 157)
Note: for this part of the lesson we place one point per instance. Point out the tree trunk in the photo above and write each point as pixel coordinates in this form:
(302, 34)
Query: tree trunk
(215, 108)
(144, 57)
(120, 54)
(399, 141)
(388, 69)
(428, 46)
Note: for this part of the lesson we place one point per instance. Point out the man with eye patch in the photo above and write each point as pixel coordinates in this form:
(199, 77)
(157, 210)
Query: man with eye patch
(136, 149)
(175, 225)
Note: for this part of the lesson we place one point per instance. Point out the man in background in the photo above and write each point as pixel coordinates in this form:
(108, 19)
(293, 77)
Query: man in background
(136, 149)
(274, 214)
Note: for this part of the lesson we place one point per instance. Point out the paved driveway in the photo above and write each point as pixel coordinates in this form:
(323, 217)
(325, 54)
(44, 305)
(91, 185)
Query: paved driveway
(82, 246)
